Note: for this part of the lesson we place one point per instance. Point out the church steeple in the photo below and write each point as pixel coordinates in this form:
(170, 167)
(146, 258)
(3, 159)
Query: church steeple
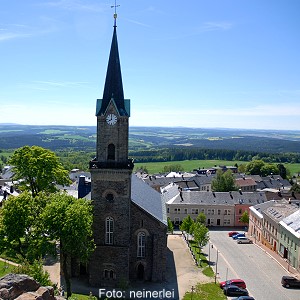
(113, 88)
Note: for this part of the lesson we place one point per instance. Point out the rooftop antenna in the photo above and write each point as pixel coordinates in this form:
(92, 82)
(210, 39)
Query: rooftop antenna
(115, 14)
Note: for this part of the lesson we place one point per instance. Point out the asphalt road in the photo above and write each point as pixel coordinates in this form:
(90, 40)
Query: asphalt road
(261, 273)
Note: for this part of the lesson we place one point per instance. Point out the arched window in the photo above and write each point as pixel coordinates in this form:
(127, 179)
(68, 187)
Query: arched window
(109, 274)
(109, 230)
(141, 244)
(111, 149)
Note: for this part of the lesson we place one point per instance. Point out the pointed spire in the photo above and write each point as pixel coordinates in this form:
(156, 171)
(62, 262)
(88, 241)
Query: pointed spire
(113, 87)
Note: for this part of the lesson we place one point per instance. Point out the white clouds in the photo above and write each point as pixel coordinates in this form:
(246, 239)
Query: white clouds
(75, 5)
(213, 26)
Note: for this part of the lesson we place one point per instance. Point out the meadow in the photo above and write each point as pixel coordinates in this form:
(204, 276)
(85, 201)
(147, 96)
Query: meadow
(190, 165)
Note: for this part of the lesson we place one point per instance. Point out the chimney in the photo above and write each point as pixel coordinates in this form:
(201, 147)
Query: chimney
(240, 190)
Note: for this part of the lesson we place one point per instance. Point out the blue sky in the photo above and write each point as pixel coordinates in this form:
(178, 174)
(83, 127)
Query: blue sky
(197, 63)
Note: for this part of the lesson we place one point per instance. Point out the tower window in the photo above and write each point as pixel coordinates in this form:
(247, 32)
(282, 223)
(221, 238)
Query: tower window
(109, 197)
(111, 152)
(141, 244)
(109, 274)
(109, 230)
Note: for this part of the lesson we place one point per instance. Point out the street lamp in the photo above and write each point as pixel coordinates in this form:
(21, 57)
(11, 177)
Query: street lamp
(216, 266)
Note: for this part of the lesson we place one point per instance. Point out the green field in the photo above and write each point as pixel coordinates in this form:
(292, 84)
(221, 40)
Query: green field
(190, 165)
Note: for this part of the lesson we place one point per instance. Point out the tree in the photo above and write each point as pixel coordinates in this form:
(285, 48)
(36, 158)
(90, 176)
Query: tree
(282, 170)
(186, 224)
(170, 225)
(254, 167)
(20, 226)
(38, 169)
(201, 218)
(201, 234)
(69, 221)
(223, 182)
(245, 217)
(269, 169)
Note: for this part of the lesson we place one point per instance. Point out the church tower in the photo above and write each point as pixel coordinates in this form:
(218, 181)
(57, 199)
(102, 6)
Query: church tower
(111, 180)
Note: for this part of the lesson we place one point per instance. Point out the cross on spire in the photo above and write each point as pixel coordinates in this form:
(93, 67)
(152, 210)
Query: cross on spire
(115, 14)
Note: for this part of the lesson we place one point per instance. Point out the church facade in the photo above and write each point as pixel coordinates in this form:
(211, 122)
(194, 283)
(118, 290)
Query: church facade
(130, 223)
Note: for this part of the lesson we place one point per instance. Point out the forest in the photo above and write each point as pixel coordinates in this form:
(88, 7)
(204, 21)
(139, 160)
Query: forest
(75, 145)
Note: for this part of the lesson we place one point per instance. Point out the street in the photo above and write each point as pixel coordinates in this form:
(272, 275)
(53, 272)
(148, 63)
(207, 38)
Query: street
(261, 272)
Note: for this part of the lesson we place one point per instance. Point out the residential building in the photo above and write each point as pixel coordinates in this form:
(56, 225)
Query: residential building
(220, 208)
(289, 239)
(271, 217)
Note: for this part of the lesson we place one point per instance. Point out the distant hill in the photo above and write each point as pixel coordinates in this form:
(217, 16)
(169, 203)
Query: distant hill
(13, 136)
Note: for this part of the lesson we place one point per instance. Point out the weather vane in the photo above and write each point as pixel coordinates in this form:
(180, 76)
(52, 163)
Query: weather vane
(115, 6)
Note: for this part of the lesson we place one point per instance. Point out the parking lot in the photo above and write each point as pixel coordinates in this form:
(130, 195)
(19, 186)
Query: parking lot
(249, 262)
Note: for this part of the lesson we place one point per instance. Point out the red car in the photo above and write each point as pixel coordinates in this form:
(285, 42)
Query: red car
(237, 282)
(231, 233)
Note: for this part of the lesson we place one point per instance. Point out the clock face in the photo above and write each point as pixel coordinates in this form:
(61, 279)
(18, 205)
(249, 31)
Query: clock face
(111, 119)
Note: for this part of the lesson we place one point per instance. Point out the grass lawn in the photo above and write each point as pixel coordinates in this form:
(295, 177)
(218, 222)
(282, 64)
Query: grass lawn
(190, 165)
(207, 291)
(5, 268)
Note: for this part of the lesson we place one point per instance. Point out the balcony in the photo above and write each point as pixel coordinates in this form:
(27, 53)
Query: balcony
(94, 164)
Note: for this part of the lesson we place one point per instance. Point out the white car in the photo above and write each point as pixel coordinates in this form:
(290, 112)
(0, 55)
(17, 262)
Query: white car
(243, 240)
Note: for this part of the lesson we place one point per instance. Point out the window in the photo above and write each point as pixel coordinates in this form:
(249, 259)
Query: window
(111, 152)
(203, 210)
(109, 197)
(227, 212)
(195, 211)
(177, 210)
(226, 222)
(109, 230)
(141, 244)
(109, 274)
(240, 211)
(219, 211)
(186, 211)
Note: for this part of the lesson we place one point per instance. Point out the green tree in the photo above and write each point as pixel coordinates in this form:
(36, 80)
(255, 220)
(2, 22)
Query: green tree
(69, 221)
(245, 217)
(38, 169)
(201, 218)
(35, 270)
(254, 167)
(295, 188)
(21, 229)
(223, 182)
(268, 169)
(282, 171)
(201, 234)
(186, 224)
(170, 225)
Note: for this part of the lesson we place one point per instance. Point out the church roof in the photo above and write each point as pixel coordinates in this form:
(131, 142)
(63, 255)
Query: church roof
(148, 199)
(113, 88)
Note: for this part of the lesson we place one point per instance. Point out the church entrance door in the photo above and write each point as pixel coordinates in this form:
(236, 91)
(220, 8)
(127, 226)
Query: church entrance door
(140, 272)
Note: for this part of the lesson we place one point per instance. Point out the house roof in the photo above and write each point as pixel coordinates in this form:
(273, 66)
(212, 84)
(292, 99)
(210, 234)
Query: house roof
(279, 210)
(218, 198)
(245, 182)
(148, 199)
(259, 208)
(292, 223)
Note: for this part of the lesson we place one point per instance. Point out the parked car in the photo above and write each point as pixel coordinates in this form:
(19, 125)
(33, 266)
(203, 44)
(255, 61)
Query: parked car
(238, 235)
(243, 298)
(233, 290)
(243, 240)
(290, 281)
(237, 282)
(231, 233)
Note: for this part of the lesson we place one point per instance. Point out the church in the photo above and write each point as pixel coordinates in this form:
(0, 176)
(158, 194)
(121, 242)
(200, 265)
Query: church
(130, 223)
